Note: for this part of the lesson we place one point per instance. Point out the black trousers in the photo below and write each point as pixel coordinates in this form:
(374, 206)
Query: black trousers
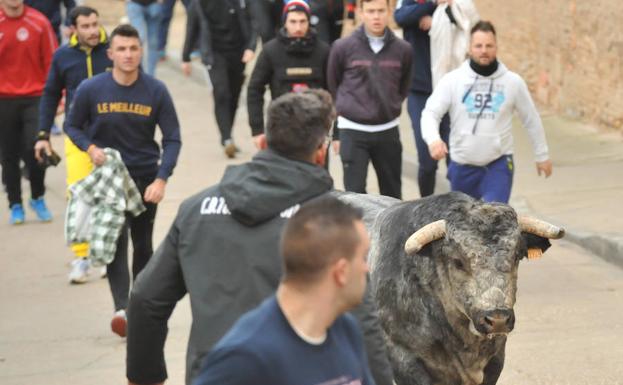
(227, 77)
(141, 229)
(358, 148)
(427, 170)
(19, 120)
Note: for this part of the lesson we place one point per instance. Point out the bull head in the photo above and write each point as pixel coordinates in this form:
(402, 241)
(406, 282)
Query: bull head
(437, 230)
(487, 296)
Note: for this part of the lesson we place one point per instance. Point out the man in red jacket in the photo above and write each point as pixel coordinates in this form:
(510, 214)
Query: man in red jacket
(27, 43)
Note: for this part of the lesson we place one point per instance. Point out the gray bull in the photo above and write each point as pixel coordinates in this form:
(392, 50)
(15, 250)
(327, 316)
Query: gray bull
(444, 276)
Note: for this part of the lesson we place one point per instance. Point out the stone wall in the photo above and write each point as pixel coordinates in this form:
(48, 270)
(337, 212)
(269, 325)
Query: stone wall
(570, 52)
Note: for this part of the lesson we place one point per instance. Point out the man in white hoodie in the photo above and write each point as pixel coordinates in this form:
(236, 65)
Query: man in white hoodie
(481, 97)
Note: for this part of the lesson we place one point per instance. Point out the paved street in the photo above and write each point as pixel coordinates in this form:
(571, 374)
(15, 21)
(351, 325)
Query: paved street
(569, 309)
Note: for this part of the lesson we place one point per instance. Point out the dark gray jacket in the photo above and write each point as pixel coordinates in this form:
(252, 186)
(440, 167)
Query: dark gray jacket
(218, 26)
(222, 250)
(369, 88)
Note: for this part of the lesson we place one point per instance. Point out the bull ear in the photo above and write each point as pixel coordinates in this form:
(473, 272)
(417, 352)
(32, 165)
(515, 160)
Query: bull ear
(536, 245)
(537, 234)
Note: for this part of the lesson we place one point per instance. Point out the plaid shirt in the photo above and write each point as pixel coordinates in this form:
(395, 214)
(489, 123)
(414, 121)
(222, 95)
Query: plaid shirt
(97, 206)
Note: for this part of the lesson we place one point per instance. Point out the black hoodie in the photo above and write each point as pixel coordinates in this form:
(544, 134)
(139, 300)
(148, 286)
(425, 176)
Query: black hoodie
(285, 64)
(222, 250)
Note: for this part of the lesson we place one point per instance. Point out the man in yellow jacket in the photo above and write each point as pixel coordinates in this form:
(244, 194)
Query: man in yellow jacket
(83, 57)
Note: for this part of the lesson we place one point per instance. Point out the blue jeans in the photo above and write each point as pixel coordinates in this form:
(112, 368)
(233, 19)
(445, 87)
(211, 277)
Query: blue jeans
(165, 22)
(146, 19)
(491, 183)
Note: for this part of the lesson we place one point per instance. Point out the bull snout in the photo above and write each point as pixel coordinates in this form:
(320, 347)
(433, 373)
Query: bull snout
(498, 321)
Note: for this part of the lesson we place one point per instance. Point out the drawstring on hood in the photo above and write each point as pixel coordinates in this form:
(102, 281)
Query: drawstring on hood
(485, 71)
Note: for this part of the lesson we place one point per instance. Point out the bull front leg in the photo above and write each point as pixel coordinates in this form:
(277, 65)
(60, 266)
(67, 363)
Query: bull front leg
(494, 367)
(408, 369)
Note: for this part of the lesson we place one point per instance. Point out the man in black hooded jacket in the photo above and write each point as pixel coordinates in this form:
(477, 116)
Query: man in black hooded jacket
(222, 248)
(295, 61)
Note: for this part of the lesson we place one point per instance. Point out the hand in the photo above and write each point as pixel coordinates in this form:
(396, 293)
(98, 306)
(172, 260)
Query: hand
(544, 167)
(425, 22)
(260, 141)
(336, 147)
(438, 149)
(60, 109)
(40, 146)
(155, 191)
(187, 68)
(247, 56)
(98, 156)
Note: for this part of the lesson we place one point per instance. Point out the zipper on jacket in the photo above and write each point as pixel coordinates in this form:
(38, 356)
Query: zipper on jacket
(89, 60)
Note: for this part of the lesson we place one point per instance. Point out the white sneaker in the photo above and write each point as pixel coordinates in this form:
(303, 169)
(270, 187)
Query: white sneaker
(119, 322)
(79, 271)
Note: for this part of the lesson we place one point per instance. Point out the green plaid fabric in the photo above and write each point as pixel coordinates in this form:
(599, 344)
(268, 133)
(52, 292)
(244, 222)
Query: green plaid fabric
(97, 207)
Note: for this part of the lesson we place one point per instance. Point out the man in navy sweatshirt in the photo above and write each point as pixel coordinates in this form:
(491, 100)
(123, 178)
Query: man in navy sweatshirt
(415, 17)
(301, 335)
(120, 109)
(52, 10)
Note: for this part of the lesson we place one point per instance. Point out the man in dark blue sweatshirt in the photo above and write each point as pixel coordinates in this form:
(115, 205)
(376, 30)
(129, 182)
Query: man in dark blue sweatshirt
(52, 10)
(302, 335)
(415, 17)
(84, 56)
(120, 109)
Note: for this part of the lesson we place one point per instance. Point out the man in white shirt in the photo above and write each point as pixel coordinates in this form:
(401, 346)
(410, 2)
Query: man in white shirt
(481, 97)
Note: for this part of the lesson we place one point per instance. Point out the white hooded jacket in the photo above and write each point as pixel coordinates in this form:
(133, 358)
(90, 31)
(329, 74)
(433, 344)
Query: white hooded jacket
(449, 42)
(481, 111)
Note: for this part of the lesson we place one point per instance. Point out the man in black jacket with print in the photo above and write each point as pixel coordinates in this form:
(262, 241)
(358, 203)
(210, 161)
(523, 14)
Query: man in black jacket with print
(222, 248)
(369, 77)
(293, 62)
(226, 39)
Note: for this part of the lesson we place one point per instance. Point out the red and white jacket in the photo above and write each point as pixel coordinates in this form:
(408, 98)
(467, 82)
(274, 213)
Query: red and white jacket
(27, 43)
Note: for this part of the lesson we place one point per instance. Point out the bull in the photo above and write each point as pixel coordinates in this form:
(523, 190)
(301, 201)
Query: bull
(444, 278)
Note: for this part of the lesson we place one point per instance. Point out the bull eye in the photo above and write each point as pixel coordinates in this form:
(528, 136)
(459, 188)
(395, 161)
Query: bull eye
(458, 264)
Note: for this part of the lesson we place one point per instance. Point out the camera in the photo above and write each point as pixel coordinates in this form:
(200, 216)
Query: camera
(49, 160)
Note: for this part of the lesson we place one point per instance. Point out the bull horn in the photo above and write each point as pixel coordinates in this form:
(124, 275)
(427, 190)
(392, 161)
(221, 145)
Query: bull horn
(431, 232)
(540, 228)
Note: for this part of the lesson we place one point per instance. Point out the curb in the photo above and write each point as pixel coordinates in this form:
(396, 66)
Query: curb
(608, 247)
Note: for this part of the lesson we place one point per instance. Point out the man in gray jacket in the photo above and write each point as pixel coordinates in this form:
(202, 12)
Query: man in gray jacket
(222, 248)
